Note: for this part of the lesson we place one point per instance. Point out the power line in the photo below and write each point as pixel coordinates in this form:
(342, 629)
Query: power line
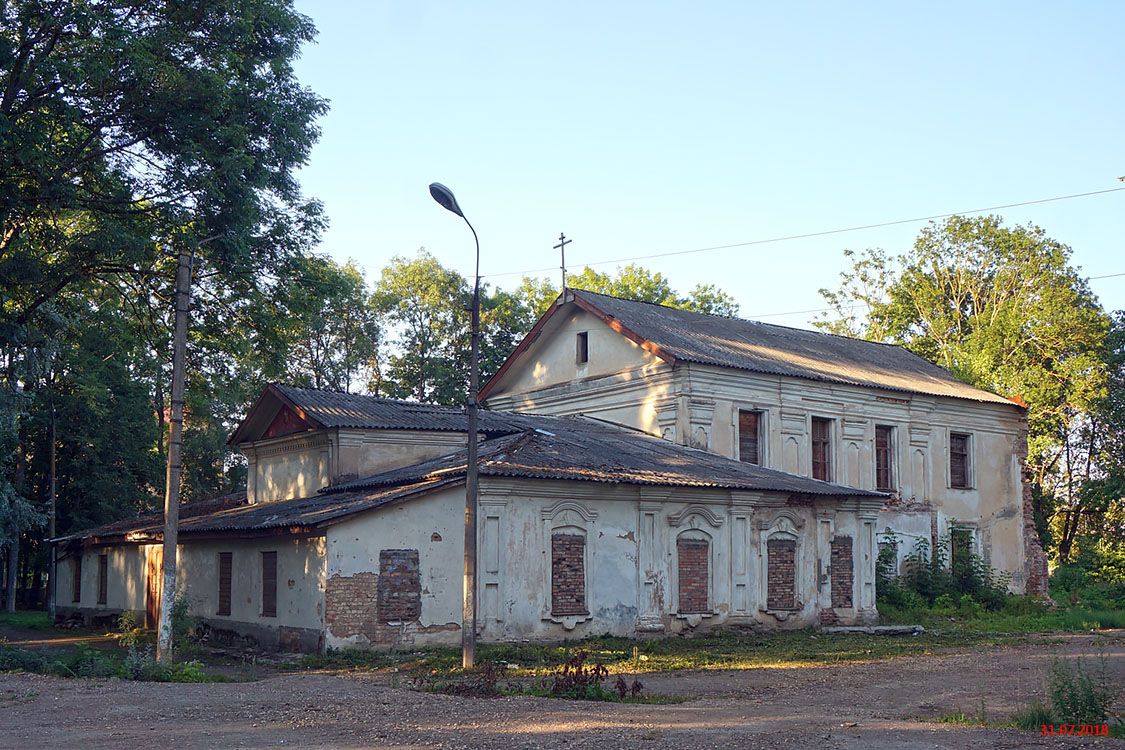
(864, 304)
(823, 233)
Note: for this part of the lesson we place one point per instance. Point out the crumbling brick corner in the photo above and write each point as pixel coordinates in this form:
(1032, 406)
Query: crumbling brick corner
(1035, 559)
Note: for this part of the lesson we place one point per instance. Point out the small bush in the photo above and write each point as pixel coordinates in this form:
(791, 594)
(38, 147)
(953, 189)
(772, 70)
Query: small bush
(1080, 695)
(129, 632)
(1033, 717)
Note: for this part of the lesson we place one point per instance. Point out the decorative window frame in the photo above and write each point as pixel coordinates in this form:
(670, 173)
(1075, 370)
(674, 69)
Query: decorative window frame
(784, 525)
(892, 455)
(568, 517)
(699, 522)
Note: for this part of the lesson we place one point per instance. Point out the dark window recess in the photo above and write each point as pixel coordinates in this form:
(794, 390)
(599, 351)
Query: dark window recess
(568, 575)
(884, 469)
(781, 574)
(103, 578)
(843, 571)
(749, 435)
(694, 561)
(961, 556)
(399, 590)
(959, 460)
(76, 584)
(582, 348)
(225, 559)
(269, 584)
(821, 448)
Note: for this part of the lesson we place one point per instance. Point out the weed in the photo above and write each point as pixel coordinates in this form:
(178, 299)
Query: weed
(1033, 717)
(1080, 695)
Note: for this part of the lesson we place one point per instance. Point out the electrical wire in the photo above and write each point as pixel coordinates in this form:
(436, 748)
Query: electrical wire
(823, 233)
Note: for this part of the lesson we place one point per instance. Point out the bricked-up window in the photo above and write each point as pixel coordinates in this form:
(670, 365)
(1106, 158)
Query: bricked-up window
(398, 596)
(76, 582)
(821, 448)
(582, 348)
(269, 584)
(568, 574)
(225, 559)
(884, 457)
(843, 571)
(781, 574)
(959, 465)
(694, 562)
(103, 578)
(749, 437)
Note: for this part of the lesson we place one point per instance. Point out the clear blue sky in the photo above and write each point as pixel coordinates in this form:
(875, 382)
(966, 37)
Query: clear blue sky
(638, 128)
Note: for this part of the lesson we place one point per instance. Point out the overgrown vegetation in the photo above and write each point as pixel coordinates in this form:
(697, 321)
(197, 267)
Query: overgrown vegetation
(83, 661)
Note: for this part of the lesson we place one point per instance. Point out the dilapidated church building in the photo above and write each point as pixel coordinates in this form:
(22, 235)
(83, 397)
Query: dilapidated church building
(643, 470)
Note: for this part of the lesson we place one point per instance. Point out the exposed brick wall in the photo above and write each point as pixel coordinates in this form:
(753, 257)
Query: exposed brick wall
(1035, 560)
(349, 604)
(694, 559)
(781, 574)
(843, 571)
(568, 574)
(399, 592)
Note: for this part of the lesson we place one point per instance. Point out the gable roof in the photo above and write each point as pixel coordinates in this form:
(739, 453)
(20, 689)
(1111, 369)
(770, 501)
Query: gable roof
(683, 336)
(323, 409)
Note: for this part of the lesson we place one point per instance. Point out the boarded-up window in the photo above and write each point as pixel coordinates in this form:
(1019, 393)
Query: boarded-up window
(568, 574)
(749, 436)
(884, 456)
(959, 466)
(694, 561)
(269, 584)
(821, 448)
(582, 348)
(781, 574)
(76, 582)
(103, 578)
(225, 559)
(398, 596)
(843, 571)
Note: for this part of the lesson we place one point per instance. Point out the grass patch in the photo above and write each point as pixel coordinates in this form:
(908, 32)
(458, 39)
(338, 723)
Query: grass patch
(716, 650)
(1075, 619)
(83, 661)
(27, 620)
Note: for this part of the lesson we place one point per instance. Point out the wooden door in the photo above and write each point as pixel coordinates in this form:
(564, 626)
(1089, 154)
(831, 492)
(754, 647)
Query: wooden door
(154, 587)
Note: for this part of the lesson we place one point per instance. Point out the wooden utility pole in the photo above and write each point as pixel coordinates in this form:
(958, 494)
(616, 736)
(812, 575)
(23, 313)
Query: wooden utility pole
(175, 448)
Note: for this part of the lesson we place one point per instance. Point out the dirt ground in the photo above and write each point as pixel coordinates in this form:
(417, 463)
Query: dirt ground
(871, 705)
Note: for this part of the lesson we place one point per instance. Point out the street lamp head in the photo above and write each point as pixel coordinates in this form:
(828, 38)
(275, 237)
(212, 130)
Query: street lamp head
(444, 196)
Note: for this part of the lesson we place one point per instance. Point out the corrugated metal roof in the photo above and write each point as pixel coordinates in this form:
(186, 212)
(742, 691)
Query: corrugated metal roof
(581, 449)
(353, 410)
(778, 350)
(557, 448)
(299, 514)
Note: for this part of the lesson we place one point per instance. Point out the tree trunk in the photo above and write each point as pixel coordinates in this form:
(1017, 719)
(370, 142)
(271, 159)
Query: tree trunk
(175, 447)
(52, 493)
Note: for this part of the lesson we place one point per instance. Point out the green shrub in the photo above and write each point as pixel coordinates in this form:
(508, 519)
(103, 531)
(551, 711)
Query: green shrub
(1079, 695)
(1033, 717)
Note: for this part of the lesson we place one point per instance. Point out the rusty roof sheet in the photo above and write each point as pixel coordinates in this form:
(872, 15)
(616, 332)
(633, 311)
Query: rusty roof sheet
(353, 410)
(581, 449)
(779, 350)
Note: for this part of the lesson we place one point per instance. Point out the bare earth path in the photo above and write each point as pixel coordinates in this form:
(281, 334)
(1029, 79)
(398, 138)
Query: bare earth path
(876, 705)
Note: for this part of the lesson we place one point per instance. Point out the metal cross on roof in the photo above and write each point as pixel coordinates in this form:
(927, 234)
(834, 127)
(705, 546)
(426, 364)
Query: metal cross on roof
(561, 247)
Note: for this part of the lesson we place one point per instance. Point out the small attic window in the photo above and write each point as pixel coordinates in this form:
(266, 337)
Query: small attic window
(582, 348)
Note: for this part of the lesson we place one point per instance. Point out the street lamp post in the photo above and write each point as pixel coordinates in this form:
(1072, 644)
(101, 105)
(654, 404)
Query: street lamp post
(444, 196)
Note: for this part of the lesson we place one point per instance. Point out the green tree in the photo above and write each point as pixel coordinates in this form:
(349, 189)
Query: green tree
(423, 305)
(1001, 308)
